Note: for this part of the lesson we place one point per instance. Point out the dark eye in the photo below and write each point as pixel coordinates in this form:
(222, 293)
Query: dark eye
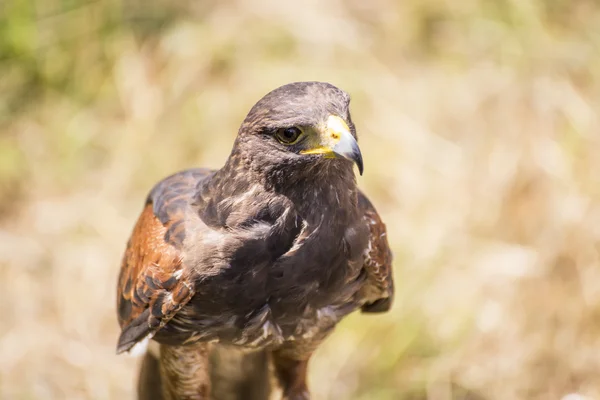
(288, 135)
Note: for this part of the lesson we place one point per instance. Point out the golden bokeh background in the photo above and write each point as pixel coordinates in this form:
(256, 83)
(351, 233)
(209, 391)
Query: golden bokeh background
(479, 124)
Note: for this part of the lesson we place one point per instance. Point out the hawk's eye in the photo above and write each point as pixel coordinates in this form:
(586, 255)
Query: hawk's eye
(288, 135)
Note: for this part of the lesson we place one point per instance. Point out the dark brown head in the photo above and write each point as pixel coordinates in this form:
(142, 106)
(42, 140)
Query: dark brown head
(299, 129)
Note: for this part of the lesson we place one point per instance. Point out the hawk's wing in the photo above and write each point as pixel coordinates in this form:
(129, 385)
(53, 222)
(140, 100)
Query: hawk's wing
(154, 283)
(378, 291)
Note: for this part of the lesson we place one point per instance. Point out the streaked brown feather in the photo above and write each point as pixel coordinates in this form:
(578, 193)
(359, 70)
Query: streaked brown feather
(153, 285)
(378, 290)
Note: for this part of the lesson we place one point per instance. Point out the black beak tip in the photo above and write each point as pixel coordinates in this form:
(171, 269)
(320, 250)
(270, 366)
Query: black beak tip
(359, 163)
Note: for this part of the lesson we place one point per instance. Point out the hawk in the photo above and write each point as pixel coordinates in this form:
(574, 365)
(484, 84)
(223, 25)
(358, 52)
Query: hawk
(266, 254)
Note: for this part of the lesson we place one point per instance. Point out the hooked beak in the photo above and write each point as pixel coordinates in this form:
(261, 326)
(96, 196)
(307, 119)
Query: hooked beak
(337, 141)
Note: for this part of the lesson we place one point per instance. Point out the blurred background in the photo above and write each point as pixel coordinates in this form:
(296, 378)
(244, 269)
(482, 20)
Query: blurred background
(479, 126)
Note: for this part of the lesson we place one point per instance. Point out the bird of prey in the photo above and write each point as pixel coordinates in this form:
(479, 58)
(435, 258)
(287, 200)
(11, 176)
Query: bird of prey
(266, 254)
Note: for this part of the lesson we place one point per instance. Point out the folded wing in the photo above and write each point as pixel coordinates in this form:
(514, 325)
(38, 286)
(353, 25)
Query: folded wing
(378, 291)
(154, 283)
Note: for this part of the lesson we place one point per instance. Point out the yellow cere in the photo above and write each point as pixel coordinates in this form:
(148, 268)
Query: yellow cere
(318, 150)
(331, 133)
(336, 127)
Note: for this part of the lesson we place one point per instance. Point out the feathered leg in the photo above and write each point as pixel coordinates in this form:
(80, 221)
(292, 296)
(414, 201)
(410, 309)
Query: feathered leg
(239, 374)
(291, 373)
(184, 372)
(234, 375)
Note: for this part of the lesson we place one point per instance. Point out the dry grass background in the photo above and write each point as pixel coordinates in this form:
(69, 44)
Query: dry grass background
(480, 130)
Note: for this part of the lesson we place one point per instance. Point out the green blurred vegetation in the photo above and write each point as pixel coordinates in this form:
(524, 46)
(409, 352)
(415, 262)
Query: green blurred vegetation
(480, 128)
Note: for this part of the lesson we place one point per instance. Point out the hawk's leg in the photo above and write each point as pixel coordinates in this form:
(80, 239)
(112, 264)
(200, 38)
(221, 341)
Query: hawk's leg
(291, 373)
(185, 372)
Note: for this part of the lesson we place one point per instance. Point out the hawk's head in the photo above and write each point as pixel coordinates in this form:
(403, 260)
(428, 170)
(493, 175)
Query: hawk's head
(299, 129)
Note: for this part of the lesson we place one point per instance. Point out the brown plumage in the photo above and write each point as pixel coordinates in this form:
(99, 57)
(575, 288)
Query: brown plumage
(266, 254)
